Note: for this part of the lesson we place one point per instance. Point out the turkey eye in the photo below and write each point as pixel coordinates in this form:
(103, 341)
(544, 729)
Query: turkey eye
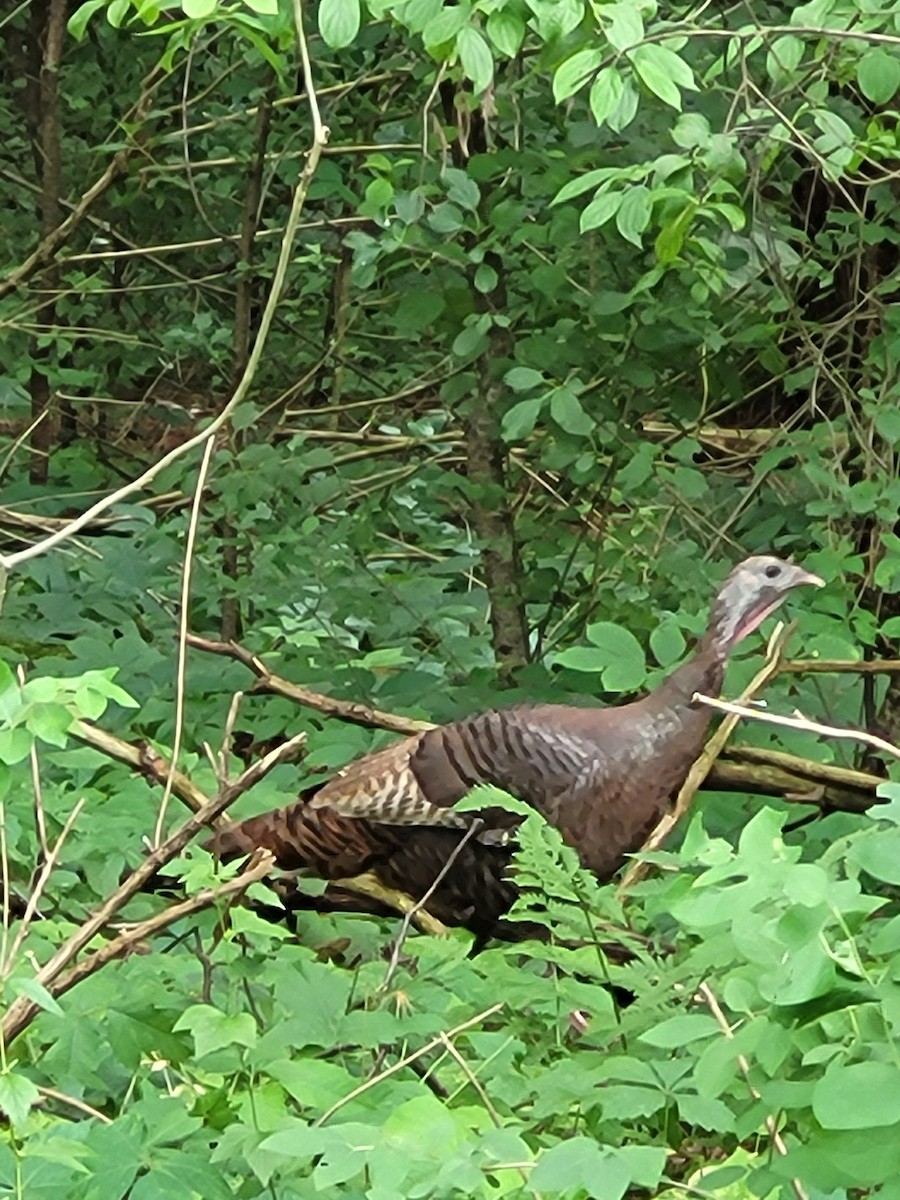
(772, 571)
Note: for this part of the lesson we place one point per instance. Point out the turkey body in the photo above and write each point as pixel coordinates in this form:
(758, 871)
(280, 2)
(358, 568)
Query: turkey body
(602, 776)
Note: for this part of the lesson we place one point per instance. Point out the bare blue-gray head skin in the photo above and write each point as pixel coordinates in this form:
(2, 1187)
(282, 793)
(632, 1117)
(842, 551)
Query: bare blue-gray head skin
(753, 591)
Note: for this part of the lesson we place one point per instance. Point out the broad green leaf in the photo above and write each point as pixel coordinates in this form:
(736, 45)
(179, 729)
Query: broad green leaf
(15, 745)
(199, 9)
(575, 73)
(667, 642)
(625, 668)
(680, 1031)
(606, 94)
(601, 208)
(213, 1029)
(522, 379)
(887, 422)
(633, 213)
(339, 22)
(119, 10)
(663, 72)
(567, 412)
(27, 985)
(582, 658)
(461, 189)
(863, 1095)
(622, 24)
(485, 278)
(578, 1164)
(878, 75)
(417, 15)
(506, 29)
(521, 419)
(585, 182)
(17, 1095)
(475, 57)
(785, 55)
(878, 854)
(78, 21)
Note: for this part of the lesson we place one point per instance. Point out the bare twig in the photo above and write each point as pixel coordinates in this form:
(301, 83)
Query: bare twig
(421, 905)
(798, 721)
(183, 620)
(744, 1067)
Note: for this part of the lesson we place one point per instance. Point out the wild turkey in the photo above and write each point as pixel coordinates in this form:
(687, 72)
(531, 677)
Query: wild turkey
(602, 776)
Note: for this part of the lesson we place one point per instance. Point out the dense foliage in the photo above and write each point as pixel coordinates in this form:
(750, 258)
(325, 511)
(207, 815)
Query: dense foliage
(586, 300)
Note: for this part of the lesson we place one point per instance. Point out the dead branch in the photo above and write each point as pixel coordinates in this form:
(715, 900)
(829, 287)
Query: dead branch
(840, 666)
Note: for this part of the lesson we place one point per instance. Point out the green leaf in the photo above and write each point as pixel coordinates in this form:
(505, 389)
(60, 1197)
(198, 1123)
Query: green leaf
(601, 208)
(622, 23)
(663, 72)
(78, 22)
(199, 9)
(863, 1095)
(339, 22)
(485, 278)
(575, 73)
(27, 985)
(522, 379)
(679, 1031)
(878, 854)
(606, 94)
(417, 15)
(461, 189)
(17, 1095)
(784, 57)
(506, 30)
(633, 214)
(585, 182)
(519, 420)
(878, 75)
(213, 1029)
(887, 422)
(475, 57)
(577, 1164)
(15, 745)
(566, 411)
(667, 642)
(618, 654)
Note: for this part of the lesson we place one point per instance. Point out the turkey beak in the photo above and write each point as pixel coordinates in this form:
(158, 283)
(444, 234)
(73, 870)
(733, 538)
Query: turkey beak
(801, 578)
